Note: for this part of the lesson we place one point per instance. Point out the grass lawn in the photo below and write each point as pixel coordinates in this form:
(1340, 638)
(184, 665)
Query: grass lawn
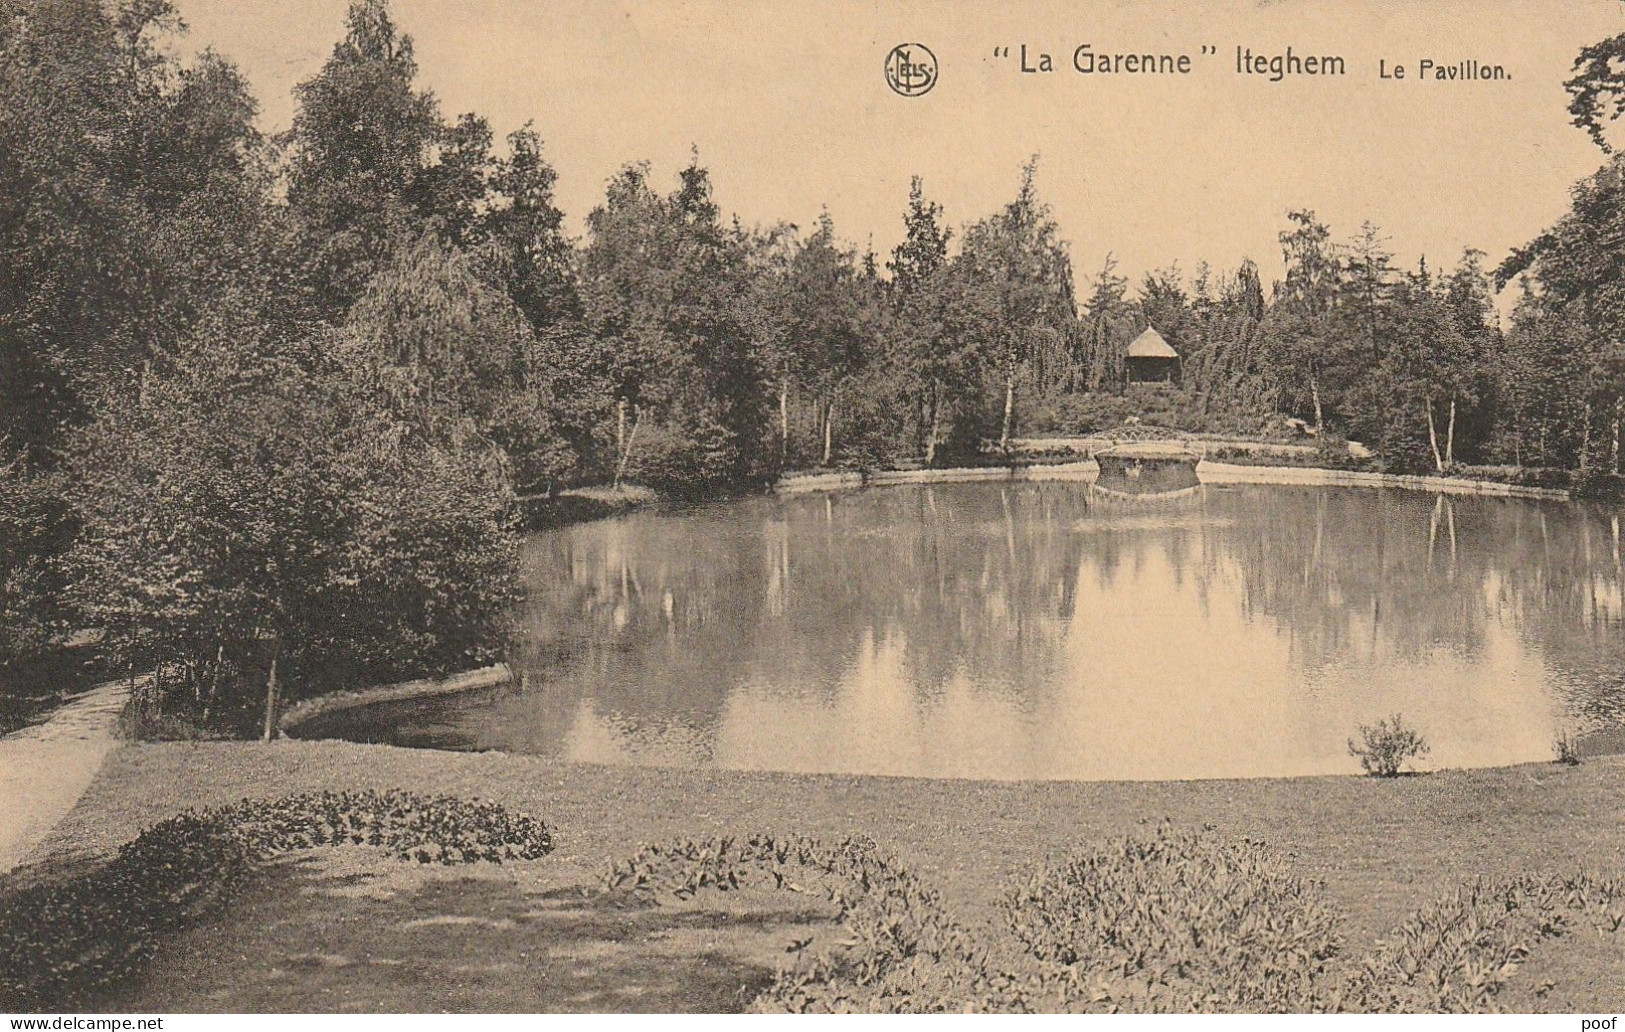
(339, 931)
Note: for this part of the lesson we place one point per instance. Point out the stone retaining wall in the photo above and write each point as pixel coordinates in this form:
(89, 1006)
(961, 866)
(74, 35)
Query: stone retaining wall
(1209, 472)
(810, 482)
(333, 702)
(1224, 473)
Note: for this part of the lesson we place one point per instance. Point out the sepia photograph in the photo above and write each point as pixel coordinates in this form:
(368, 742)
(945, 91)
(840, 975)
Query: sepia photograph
(517, 507)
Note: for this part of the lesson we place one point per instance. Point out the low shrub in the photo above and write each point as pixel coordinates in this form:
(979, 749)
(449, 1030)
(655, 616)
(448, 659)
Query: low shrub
(1457, 954)
(1598, 485)
(1566, 750)
(1320, 458)
(1387, 746)
(65, 937)
(1180, 408)
(1171, 921)
(1181, 921)
(1520, 476)
(905, 953)
(139, 723)
(689, 458)
(1332, 451)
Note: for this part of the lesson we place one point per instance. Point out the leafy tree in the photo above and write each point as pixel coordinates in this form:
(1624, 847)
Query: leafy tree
(256, 511)
(1226, 364)
(709, 319)
(1428, 363)
(455, 355)
(1017, 278)
(36, 528)
(665, 291)
(1372, 337)
(1577, 279)
(766, 256)
(1467, 293)
(1164, 304)
(625, 293)
(1369, 278)
(526, 227)
(134, 200)
(1597, 90)
(828, 329)
(932, 360)
(1569, 325)
(372, 163)
(1300, 337)
(1536, 367)
(1107, 325)
(132, 192)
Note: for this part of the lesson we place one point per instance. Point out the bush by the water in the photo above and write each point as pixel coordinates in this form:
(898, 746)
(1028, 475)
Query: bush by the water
(74, 936)
(357, 549)
(1566, 750)
(1158, 405)
(1387, 746)
(1520, 476)
(1170, 921)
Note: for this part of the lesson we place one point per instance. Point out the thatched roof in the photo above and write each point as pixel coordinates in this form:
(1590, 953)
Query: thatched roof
(1150, 345)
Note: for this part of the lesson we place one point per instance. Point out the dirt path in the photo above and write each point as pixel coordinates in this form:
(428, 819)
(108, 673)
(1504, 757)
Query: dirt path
(44, 769)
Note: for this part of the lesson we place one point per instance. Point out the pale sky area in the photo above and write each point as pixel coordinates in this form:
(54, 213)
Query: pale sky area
(788, 105)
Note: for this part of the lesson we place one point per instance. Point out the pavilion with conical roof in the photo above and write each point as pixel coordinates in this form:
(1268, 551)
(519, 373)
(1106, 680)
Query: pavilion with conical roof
(1151, 359)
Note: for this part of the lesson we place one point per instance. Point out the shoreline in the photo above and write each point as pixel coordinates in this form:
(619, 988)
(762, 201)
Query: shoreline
(132, 809)
(1207, 470)
(403, 691)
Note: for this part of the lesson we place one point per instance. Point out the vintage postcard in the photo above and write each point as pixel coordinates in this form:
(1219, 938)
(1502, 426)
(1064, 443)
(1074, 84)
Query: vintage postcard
(515, 506)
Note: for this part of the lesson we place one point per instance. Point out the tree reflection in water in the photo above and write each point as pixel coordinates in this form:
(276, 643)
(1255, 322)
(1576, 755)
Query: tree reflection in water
(1032, 630)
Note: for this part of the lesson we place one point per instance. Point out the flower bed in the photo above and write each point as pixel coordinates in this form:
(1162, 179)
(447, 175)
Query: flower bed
(1171, 921)
(72, 936)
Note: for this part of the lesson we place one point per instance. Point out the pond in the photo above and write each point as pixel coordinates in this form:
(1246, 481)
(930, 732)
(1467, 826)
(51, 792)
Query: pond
(1043, 630)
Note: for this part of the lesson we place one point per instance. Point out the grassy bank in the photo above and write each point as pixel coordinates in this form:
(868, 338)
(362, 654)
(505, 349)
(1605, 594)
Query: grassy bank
(319, 937)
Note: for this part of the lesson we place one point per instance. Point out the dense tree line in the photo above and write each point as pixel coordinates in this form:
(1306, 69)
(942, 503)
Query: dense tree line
(269, 400)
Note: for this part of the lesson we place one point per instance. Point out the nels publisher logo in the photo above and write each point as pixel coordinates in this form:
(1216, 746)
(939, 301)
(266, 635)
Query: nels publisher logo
(911, 69)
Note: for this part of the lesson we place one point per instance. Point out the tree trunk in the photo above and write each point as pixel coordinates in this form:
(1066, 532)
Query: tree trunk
(784, 420)
(829, 430)
(1585, 439)
(1619, 404)
(1433, 437)
(1450, 437)
(1009, 410)
(1314, 392)
(934, 427)
(214, 685)
(626, 453)
(271, 700)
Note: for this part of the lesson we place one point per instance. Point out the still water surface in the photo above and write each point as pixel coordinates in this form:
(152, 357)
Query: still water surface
(1042, 631)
